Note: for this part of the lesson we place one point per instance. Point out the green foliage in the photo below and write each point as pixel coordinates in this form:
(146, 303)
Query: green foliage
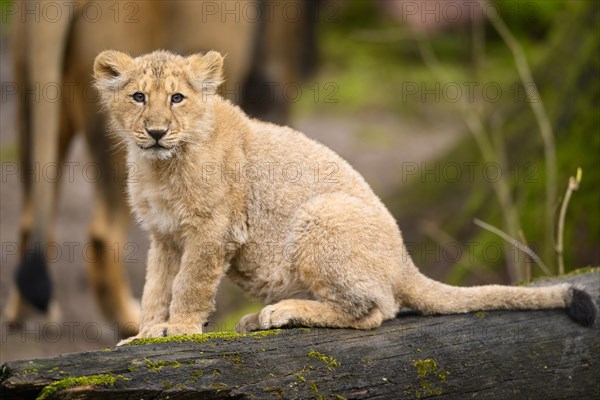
(531, 20)
(349, 15)
(571, 94)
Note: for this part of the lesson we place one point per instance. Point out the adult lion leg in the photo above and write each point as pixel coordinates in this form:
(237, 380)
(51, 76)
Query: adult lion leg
(34, 287)
(42, 58)
(105, 268)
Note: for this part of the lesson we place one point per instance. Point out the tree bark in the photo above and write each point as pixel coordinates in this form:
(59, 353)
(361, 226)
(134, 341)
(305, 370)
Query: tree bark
(486, 355)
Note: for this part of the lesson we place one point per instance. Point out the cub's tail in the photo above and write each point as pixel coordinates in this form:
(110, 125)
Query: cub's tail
(431, 297)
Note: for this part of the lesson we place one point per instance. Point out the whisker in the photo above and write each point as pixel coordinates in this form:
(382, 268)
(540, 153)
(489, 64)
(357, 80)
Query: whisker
(117, 147)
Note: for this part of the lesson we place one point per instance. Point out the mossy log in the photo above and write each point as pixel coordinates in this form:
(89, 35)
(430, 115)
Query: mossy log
(486, 355)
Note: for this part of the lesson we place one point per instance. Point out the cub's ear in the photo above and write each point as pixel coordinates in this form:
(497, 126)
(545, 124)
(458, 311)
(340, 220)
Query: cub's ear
(207, 70)
(109, 68)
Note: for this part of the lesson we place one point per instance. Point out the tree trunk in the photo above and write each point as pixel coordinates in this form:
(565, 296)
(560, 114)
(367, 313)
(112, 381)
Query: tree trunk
(486, 355)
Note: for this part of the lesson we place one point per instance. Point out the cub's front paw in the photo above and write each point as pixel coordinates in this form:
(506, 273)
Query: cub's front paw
(128, 340)
(177, 329)
(164, 330)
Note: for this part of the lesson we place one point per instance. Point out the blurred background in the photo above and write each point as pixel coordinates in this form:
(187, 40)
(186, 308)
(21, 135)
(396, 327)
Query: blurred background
(452, 111)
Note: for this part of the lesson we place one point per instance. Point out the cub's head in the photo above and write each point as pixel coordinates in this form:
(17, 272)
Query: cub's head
(158, 102)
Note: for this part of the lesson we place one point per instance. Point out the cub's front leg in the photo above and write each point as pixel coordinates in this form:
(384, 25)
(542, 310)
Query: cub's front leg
(164, 258)
(193, 290)
(195, 286)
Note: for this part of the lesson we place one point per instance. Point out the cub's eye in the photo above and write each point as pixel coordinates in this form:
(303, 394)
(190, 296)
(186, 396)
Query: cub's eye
(139, 97)
(177, 98)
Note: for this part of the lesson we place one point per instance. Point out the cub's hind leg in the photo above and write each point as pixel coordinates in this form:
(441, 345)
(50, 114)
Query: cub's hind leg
(346, 256)
(288, 313)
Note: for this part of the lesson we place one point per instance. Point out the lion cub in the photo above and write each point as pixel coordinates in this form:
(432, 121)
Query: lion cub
(286, 218)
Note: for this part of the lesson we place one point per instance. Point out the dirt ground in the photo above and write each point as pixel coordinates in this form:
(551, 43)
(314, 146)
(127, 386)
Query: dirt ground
(81, 326)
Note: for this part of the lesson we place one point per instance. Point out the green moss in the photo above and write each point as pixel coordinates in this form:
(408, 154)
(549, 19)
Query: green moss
(339, 397)
(277, 391)
(167, 384)
(234, 358)
(160, 364)
(197, 374)
(307, 369)
(220, 386)
(132, 369)
(301, 378)
(429, 366)
(107, 350)
(313, 387)
(30, 371)
(91, 380)
(581, 271)
(480, 314)
(263, 334)
(330, 361)
(203, 337)
(427, 375)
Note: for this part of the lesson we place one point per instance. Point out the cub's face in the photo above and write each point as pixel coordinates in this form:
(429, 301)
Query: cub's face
(159, 102)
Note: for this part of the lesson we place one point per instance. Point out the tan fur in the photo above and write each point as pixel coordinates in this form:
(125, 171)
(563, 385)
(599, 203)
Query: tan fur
(319, 248)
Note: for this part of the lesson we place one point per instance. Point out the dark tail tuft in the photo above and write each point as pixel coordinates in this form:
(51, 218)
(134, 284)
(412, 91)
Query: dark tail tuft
(582, 309)
(33, 280)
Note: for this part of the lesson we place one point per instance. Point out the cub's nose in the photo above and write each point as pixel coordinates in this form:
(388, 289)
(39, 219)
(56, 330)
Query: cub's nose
(156, 134)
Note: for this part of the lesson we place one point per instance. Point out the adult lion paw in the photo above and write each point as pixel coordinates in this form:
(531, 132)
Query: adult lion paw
(164, 330)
